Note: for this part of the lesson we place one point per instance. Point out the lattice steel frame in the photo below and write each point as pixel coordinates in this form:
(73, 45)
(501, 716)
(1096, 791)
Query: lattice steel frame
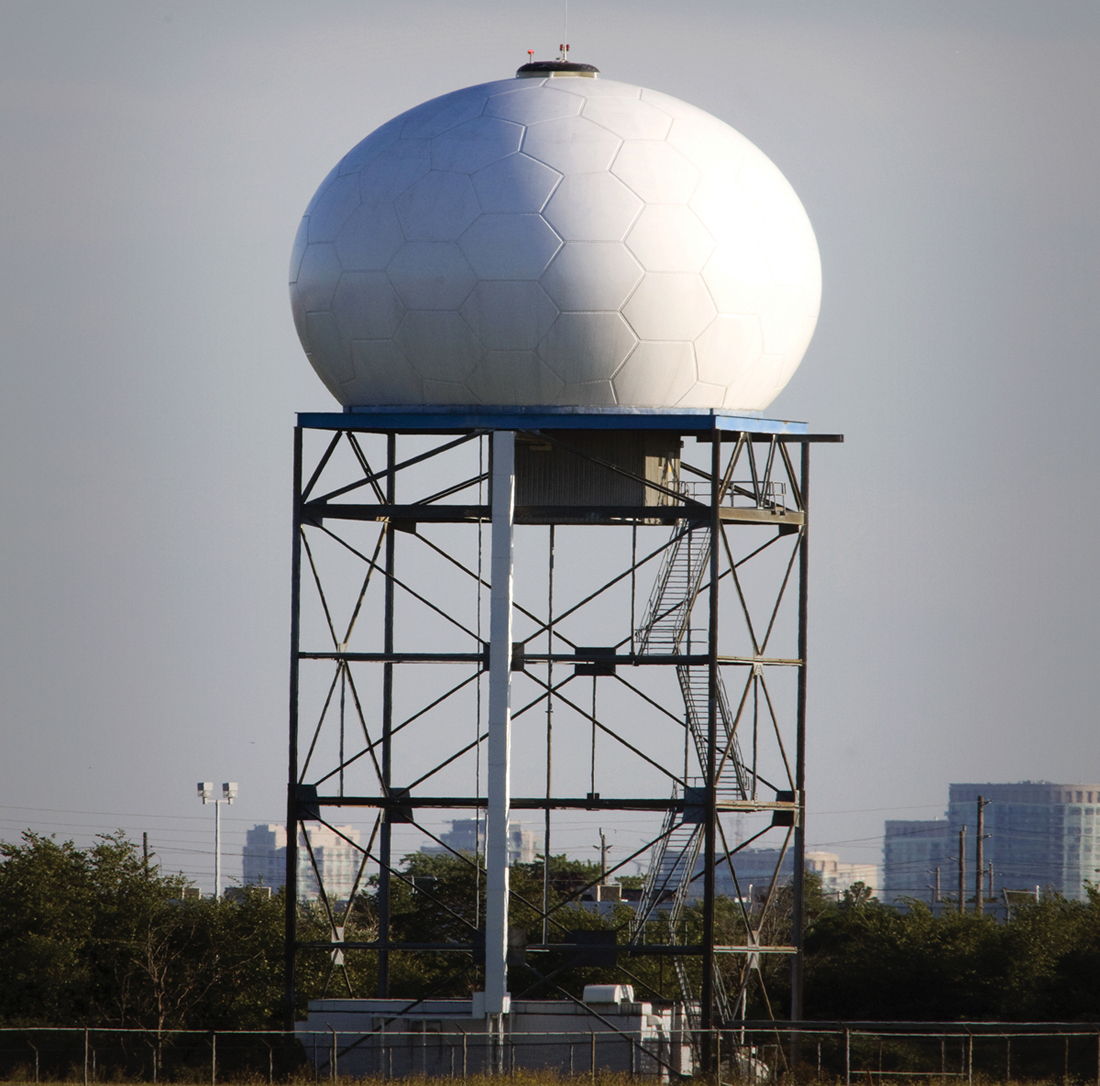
(762, 447)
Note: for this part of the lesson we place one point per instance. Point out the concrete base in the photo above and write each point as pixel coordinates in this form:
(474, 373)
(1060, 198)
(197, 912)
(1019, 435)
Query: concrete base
(442, 1037)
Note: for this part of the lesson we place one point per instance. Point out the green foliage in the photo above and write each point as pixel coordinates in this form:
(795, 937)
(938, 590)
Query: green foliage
(96, 937)
(869, 961)
(99, 938)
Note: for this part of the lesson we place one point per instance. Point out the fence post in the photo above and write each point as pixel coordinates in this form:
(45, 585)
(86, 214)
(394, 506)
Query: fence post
(718, 1060)
(464, 1056)
(35, 1047)
(847, 1057)
(85, 1056)
(1008, 1059)
(213, 1058)
(969, 1058)
(593, 1055)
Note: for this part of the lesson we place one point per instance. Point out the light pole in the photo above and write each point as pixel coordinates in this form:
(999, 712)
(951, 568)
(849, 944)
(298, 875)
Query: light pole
(206, 794)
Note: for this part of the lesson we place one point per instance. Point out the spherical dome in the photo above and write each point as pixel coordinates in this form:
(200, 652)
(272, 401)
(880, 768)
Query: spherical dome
(559, 240)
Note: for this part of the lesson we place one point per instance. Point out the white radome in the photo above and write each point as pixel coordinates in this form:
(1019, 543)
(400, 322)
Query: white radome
(545, 241)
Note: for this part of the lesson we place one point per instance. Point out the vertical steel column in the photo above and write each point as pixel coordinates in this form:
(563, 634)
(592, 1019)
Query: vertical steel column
(385, 834)
(799, 878)
(710, 826)
(291, 905)
(499, 751)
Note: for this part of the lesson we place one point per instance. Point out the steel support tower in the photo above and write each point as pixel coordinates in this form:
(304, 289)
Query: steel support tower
(502, 612)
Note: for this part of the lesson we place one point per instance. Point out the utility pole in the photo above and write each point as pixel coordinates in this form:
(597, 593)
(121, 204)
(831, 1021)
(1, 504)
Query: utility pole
(979, 865)
(990, 880)
(962, 870)
(604, 849)
(936, 894)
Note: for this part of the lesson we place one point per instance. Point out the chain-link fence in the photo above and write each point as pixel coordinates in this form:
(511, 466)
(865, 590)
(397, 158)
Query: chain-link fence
(871, 1053)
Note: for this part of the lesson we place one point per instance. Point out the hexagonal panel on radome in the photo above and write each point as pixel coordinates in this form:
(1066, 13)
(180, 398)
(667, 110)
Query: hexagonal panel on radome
(670, 238)
(655, 374)
(702, 394)
(368, 149)
(366, 307)
(298, 312)
(630, 118)
(583, 347)
(709, 143)
(393, 171)
(298, 250)
(317, 277)
(382, 375)
(513, 377)
(439, 345)
(655, 171)
(509, 316)
(529, 105)
(433, 118)
(370, 238)
(509, 246)
(328, 342)
(326, 379)
(768, 188)
(752, 389)
(738, 278)
(670, 305)
(475, 144)
(587, 394)
(779, 370)
(431, 275)
(515, 185)
(730, 344)
(791, 253)
(592, 207)
(322, 188)
(446, 392)
(597, 88)
(571, 145)
(341, 198)
(674, 107)
(782, 316)
(590, 275)
(438, 207)
(726, 211)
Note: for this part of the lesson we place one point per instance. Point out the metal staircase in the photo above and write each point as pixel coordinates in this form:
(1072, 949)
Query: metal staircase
(666, 629)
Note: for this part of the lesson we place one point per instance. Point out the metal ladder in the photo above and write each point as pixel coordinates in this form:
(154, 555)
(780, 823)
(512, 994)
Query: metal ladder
(672, 862)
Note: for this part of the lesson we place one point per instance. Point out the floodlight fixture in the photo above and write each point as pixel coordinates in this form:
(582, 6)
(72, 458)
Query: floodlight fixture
(206, 794)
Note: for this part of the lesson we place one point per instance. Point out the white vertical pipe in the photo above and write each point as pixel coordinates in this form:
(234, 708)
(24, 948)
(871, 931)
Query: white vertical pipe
(217, 850)
(500, 723)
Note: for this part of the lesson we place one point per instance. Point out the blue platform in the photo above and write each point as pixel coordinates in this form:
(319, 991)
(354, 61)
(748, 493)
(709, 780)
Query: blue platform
(447, 419)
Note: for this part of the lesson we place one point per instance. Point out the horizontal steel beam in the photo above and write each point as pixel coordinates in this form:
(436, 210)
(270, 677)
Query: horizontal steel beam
(540, 803)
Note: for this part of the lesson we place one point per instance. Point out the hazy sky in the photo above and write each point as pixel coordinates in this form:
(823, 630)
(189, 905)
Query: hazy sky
(155, 159)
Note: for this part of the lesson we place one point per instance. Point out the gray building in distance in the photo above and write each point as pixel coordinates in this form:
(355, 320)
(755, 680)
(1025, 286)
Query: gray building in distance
(1038, 836)
(912, 851)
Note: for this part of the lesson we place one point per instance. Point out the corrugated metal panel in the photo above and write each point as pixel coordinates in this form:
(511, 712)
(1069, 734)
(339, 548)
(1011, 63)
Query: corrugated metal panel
(571, 467)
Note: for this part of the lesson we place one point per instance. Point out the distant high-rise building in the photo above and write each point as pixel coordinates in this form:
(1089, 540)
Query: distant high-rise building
(1037, 835)
(337, 860)
(468, 835)
(912, 851)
